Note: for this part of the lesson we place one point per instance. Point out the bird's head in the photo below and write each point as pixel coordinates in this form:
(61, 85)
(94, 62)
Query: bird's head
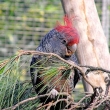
(69, 36)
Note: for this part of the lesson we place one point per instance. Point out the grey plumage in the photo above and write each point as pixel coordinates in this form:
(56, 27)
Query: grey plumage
(58, 43)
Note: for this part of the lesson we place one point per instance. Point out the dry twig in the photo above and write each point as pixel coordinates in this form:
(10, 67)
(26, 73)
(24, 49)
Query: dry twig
(71, 63)
(34, 98)
(93, 105)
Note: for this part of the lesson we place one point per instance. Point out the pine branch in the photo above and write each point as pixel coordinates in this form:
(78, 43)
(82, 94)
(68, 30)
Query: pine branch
(93, 104)
(34, 98)
(71, 63)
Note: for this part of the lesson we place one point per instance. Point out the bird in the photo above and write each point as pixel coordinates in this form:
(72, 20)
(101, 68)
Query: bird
(61, 40)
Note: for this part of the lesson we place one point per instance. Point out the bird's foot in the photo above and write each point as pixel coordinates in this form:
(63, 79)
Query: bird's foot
(53, 93)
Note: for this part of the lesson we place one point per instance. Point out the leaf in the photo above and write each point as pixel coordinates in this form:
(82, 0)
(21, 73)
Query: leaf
(2, 69)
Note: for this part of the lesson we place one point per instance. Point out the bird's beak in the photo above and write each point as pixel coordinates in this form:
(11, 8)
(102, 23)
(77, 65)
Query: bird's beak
(71, 50)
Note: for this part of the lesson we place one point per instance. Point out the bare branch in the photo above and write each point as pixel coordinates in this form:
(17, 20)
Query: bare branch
(31, 99)
(91, 68)
(71, 63)
(95, 104)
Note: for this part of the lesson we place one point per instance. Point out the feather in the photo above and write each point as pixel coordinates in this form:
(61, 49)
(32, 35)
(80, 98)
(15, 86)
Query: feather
(68, 30)
(55, 80)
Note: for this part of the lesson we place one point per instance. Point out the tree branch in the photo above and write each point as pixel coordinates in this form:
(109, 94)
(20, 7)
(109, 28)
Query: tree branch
(72, 65)
(33, 98)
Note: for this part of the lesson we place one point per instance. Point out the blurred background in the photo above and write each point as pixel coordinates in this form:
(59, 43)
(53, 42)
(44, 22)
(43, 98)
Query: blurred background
(22, 25)
(24, 22)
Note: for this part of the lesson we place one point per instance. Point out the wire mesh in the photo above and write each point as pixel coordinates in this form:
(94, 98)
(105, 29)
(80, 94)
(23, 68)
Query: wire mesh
(24, 22)
(103, 8)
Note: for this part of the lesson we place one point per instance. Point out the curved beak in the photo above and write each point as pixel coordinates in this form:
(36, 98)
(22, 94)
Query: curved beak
(71, 49)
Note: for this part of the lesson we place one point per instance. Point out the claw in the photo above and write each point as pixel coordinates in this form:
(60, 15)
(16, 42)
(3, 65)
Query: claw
(53, 93)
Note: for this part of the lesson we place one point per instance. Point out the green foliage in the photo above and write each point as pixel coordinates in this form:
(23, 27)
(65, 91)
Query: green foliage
(15, 88)
(99, 9)
(12, 89)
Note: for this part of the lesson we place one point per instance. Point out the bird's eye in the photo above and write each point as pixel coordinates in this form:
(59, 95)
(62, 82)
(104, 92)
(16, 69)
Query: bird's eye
(64, 41)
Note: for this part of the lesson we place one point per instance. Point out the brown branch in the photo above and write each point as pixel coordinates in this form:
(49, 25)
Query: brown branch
(24, 101)
(95, 68)
(43, 106)
(57, 101)
(2, 64)
(50, 105)
(102, 101)
(78, 103)
(71, 63)
(31, 99)
(94, 103)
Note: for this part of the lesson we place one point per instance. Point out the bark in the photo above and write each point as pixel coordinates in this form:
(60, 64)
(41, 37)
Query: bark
(92, 49)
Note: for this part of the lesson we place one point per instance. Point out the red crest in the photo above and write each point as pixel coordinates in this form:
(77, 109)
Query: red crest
(68, 30)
